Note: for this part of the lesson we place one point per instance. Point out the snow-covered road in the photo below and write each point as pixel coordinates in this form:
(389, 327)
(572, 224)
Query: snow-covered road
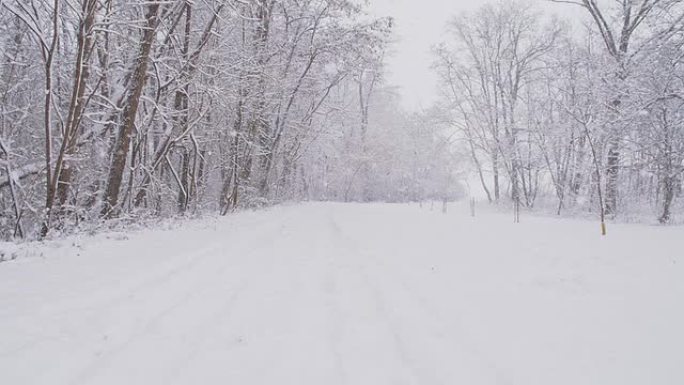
(351, 294)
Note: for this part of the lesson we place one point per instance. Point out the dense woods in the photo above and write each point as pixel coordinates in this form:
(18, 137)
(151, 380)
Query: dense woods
(124, 109)
(586, 110)
(119, 110)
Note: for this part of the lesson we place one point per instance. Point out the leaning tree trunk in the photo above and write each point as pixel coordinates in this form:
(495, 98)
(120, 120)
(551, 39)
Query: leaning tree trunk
(122, 143)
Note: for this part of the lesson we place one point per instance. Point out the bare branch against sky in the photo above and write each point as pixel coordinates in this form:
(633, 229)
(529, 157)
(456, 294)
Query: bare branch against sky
(418, 26)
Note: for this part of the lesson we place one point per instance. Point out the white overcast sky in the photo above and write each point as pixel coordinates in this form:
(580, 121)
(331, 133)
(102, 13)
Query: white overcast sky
(419, 25)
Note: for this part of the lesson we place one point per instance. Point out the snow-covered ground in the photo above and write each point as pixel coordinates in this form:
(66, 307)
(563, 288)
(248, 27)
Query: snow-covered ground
(373, 294)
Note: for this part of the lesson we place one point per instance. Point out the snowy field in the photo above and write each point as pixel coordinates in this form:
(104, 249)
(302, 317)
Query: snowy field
(323, 294)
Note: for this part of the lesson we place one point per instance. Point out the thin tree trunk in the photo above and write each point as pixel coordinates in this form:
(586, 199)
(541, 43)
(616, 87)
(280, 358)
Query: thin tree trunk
(65, 168)
(612, 170)
(49, 55)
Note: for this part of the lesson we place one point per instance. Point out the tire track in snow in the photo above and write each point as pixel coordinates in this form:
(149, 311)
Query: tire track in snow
(156, 286)
(393, 283)
(334, 311)
(432, 317)
(300, 298)
(132, 338)
(223, 314)
(418, 374)
(57, 315)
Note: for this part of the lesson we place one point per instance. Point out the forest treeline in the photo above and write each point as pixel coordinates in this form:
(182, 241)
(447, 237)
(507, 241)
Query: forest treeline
(146, 108)
(586, 109)
(112, 111)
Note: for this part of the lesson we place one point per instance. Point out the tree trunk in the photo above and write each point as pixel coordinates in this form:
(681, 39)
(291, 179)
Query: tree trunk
(65, 169)
(49, 55)
(122, 143)
(612, 169)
